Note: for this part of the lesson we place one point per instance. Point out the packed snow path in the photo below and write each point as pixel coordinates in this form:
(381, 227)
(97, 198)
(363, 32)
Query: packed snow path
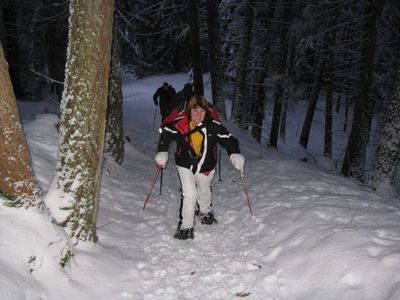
(313, 235)
(301, 242)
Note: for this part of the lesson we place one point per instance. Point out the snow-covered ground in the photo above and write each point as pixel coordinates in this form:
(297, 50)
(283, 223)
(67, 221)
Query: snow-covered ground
(313, 235)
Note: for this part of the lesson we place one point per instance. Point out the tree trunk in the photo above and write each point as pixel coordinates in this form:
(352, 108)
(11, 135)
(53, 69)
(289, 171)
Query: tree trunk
(114, 129)
(355, 156)
(346, 112)
(282, 126)
(195, 46)
(276, 115)
(283, 18)
(17, 180)
(261, 46)
(256, 130)
(216, 62)
(312, 104)
(83, 119)
(240, 102)
(328, 120)
(387, 157)
(330, 77)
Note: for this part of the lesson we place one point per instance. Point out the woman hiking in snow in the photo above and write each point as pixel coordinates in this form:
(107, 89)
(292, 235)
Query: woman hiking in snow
(197, 135)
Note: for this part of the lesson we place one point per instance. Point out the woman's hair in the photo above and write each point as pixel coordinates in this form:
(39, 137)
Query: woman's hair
(195, 101)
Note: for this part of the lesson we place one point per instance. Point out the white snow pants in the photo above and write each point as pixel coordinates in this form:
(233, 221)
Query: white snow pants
(195, 187)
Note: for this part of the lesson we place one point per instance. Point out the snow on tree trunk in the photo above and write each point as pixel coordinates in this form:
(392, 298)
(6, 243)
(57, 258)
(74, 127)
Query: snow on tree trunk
(355, 156)
(259, 112)
(17, 180)
(215, 57)
(387, 157)
(83, 120)
(114, 129)
(240, 102)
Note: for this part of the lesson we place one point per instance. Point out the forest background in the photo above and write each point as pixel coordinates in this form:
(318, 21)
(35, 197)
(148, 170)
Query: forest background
(266, 56)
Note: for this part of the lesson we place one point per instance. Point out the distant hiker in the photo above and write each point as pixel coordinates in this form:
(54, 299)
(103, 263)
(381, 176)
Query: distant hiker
(196, 134)
(191, 75)
(179, 101)
(163, 96)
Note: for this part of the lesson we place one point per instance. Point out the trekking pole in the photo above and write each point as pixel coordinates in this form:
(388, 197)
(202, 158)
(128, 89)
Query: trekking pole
(162, 171)
(155, 117)
(219, 163)
(246, 192)
(151, 189)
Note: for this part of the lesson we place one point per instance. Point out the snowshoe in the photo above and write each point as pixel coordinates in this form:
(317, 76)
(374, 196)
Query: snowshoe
(208, 218)
(184, 234)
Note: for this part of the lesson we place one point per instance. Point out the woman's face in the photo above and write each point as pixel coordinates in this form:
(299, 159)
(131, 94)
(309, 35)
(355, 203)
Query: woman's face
(197, 115)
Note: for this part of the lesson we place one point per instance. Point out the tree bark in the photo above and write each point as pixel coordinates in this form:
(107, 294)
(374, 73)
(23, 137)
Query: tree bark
(312, 104)
(276, 115)
(83, 119)
(195, 46)
(387, 157)
(330, 77)
(355, 156)
(260, 57)
(283, 17)
(114, 128)
(17, 180)
(216, 62)
(240, 101)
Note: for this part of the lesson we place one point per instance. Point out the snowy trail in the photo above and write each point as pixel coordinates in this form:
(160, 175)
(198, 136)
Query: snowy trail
(198, 266)
(254, 255)
(313, 235)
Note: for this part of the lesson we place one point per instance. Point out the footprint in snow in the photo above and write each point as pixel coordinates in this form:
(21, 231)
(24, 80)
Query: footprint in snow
(374, 251)
(392, 260)
(352, 279)
(273, 255)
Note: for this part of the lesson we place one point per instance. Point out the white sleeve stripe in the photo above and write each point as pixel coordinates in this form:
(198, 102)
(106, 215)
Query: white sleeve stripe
(216, 122)
(170, 130)
(224, 136)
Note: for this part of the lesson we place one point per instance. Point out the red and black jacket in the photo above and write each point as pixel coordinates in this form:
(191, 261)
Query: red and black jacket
(213, 133)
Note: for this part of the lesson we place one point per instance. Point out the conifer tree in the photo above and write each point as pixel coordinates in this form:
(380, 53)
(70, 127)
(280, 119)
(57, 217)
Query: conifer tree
(216, 61)
(387, 158)
(240, 102)
(114, 129)
(194, 24)
(17, 179)
(355, 156)
(83, 121)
